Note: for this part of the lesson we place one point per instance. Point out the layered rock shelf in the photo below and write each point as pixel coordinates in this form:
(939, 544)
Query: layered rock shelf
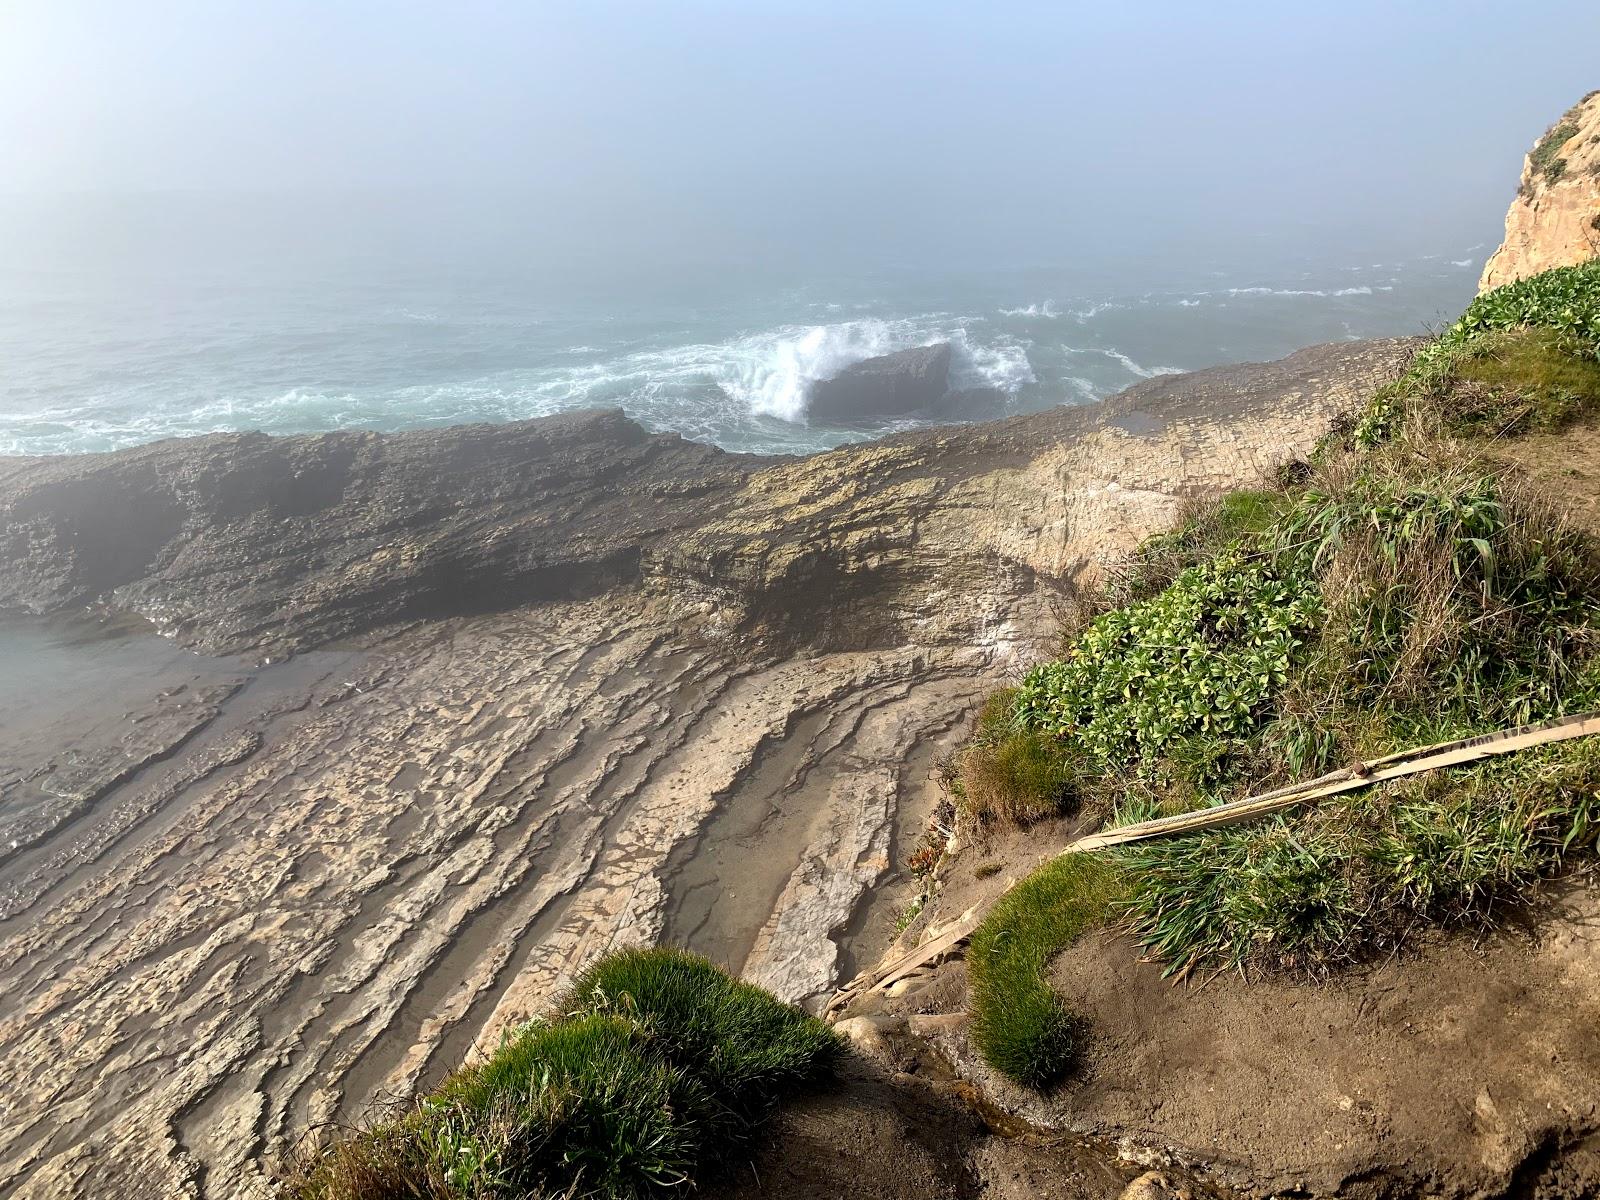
(553, 687)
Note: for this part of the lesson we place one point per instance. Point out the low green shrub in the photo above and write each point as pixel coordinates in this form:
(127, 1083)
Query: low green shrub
(1545, 158)
(1199, 658)
(657, 1065)
(1020, 1026)
(1201, 528)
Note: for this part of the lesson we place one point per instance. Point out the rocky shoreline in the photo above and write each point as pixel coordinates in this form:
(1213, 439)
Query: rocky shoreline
(555, 687)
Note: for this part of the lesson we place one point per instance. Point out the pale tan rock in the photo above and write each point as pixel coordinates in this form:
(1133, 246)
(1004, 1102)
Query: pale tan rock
(866, 1037)
(1153, 1185)
(935, 1024)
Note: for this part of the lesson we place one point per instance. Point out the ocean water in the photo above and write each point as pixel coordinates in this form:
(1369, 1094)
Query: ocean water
(97, 360)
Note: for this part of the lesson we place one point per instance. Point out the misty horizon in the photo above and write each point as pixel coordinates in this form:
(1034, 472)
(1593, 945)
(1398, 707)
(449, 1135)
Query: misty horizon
(737, 135)
(326, 216)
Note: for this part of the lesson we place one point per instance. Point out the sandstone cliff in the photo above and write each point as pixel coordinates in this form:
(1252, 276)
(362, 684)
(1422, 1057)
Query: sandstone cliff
(1555, 219)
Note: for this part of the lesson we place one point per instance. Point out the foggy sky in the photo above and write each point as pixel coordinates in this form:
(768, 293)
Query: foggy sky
(1006, 132)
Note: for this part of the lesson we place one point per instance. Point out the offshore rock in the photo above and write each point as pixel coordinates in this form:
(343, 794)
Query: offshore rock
(889, 385)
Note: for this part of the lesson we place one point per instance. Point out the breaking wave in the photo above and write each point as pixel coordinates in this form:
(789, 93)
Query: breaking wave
(772, 372)
(1361, 290)
(1046, 310)
(736, 375)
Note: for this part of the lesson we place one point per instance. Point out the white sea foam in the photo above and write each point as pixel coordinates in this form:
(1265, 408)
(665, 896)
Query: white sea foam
(1462, 262)
(772, 372)
(745, 391)
(1047, 310)
(1084, 315)
(1138, 370)
(1361, 290)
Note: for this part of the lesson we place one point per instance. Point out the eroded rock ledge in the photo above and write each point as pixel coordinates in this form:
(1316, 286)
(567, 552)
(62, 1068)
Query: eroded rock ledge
(591, 685)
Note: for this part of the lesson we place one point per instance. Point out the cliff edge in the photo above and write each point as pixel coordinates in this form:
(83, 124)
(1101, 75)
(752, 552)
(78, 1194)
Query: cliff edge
(1555, 219)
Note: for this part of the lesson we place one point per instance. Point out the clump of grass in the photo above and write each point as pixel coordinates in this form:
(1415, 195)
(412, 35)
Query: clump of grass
(1446, 586)
(1020, 1026)
(1520, 381)
(1275, 893)
(1314, 891)
(656, 1065)
(1563, 303)
(746, 1046)
(1009, 772)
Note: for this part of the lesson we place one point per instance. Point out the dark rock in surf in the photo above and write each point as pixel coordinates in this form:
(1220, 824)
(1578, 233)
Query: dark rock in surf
(891, 384)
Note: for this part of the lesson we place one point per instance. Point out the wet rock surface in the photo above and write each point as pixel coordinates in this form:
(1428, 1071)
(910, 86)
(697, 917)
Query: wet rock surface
(561, 686)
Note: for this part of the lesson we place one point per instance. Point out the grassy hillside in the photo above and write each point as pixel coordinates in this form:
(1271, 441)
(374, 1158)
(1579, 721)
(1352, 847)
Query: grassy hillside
(1400, 589)
(656, 1068)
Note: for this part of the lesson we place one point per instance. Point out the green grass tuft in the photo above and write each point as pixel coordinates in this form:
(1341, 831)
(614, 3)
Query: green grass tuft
(1009, 772)
(1521, 381)
(743, 1044)
(1020, 1025)
(657, 1065)
(1313, 891)
(1564, 303)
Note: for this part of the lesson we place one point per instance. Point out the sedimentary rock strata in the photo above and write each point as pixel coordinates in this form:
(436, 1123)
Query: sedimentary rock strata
(590, 686)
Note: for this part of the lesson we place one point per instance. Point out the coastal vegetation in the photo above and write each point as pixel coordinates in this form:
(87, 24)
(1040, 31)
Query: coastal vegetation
(1020, 1026)
(1545, 158)
(1402, 588)
(657, 1067)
